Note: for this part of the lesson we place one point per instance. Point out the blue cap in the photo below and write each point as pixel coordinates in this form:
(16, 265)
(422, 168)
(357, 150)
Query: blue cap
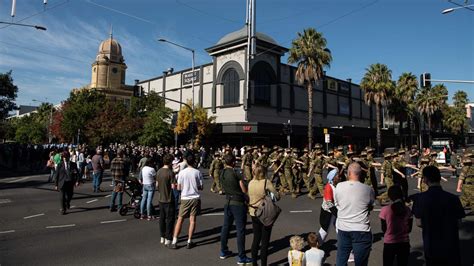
(331, 175)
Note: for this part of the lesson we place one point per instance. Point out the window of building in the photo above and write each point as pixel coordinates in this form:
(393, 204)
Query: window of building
(231, 85)
(344, 107)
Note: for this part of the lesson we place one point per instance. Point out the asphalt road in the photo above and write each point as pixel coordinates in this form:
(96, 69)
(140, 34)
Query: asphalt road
(32, 232)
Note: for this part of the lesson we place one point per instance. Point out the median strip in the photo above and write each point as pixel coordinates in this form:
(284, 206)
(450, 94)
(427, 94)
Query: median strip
(33, 216)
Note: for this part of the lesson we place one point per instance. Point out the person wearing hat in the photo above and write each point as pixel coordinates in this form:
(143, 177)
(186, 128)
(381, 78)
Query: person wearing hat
(421, 185)
(303, 165)
(65, 177)
(287, 164)
(263, 158)
(466, 183)
(401, 165)
(274, 160)
(316, 170)
(246, 165)
(386, 176)
(342, 161)
(214, 171)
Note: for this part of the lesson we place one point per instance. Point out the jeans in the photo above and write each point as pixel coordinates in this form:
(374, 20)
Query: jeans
(97, 180)
(261, 234)
(237, 213)
(177, 196)
(51, 175)
(167, 217)
(147, 199)
(359, 242)
(399, 250)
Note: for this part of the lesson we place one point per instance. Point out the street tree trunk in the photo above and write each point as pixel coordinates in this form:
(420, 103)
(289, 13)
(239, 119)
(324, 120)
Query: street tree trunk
(310, 115)
(379, 134)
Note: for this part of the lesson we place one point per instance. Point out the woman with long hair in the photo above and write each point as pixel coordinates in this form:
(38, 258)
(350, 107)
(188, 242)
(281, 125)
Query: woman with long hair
(257, 190)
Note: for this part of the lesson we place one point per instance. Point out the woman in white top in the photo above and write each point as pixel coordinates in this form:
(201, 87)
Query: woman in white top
(149, 183)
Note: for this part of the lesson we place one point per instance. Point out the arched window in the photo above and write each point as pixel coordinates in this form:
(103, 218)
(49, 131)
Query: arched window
(231, 83)
(263, 77)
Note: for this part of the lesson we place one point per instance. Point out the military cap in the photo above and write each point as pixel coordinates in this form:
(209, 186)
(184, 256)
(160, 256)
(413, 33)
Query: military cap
(296, 150)
(363, 153)
(305, 150)
(217, 153)
(470, 155)
(350, 153)
(387, 154)
(275, 147)
(401, 151)
(425, 160)
(466, 160)
(280, 149)
(370, 150)
(287, 150)
(318, 146)
(265, 150)
(330, 152)
(319, 151)
(340, 148)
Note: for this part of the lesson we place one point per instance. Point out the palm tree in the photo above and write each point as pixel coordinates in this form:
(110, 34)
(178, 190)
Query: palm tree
(431, 100)
(310, 53)
(378, 89)
(402, 106)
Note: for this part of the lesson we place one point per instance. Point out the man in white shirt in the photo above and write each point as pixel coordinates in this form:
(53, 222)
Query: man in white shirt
(189, 183)
(353, 200)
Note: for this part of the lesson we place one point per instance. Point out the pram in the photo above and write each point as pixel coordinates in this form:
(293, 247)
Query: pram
(133, 188)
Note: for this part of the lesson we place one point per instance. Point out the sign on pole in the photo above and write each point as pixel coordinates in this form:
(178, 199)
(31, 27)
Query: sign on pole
(327, 138)
(325, 130)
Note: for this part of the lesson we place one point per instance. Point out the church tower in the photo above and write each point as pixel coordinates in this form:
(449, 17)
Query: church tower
(108, 70)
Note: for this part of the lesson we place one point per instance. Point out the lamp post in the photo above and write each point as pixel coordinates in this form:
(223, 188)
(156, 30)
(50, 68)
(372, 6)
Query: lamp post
(449, 10)
(192, 69)
(50, 135)
(23, 25)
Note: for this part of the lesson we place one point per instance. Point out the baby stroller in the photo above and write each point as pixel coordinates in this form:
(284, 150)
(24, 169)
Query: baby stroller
(133, 188)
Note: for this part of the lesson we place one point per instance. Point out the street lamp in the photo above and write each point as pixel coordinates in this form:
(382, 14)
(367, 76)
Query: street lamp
(50, 135)
(449, 10)
(23, 25)
(192, 69)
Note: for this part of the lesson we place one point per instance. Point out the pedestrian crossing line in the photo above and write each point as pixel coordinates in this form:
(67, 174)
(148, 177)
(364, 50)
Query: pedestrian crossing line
(7, 232)
(107, 196)
(33, 216)
(113, 221)
(302, 211)
(60, 226)
(213, 214)
(90, 201)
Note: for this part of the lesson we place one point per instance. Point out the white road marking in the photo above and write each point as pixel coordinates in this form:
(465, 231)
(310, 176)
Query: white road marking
(113, 221)
(108, 196)
(33, 216)
(21, 179)
(376, 210)
(90, 201)
(303, 211)
(60, 226)
(3, 201)
(73, 207)
(213, 214)
(6, 232)
(7, 179)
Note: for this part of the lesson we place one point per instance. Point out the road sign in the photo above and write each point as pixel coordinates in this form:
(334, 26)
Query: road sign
(325, 131)
(327, 138)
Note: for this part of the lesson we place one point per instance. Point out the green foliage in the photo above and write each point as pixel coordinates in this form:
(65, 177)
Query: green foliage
(8, 93)
(156, 129)
(30, 130)
(455, 119)
(310, 53)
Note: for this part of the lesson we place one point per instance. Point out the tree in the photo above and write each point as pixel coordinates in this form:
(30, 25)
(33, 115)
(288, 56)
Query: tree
(402, 105)
(157, 129)
(8, 93)
(29, 130)
(431, 100)
(204, 123)
(378, 87)
(455, 116)
(311, 55)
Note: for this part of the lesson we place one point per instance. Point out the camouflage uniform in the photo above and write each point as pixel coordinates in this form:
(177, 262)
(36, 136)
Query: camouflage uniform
(467, 177)
(317, 165)
(215, 170)
(423, 163)
(247, 162)
(287, 167)
(388, 175)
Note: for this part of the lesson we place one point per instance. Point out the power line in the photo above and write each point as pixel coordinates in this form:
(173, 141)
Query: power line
(207, 13)
(328, 23)
(38, 13)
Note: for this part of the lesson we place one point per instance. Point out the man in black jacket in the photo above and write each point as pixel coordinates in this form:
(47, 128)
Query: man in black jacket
(66, 176)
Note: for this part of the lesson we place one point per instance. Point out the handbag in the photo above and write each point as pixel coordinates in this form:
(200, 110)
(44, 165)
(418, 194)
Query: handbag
(267, 212)
(50, 164)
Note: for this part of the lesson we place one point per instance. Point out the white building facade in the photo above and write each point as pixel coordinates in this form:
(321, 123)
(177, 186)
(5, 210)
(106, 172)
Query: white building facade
(251, 108)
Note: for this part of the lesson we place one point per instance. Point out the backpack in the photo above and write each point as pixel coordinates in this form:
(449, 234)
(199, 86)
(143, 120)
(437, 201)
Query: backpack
(267, 212)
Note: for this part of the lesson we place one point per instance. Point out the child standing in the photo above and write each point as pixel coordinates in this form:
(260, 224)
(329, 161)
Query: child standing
(314, 256)
(397, 221)
(295, 255)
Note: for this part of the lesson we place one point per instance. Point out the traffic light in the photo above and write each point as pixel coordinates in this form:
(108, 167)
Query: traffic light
(425, 80)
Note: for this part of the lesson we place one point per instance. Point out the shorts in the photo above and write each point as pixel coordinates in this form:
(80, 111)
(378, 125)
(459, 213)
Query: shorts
(190, 207)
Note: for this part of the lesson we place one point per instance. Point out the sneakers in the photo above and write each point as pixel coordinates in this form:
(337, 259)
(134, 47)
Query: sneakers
(190, 245)
(173, 246)
(244, 261)
(351, 257)
(225, 254)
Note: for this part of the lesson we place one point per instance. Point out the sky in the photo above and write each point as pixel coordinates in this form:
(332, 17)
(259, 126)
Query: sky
(408, 36)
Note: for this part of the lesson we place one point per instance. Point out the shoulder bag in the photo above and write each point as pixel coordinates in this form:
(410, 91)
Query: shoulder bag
(267, 212)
